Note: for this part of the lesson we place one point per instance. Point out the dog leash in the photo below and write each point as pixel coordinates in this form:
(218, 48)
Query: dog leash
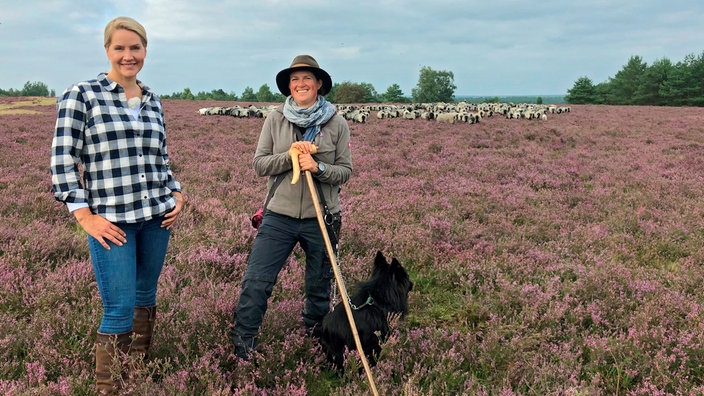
(370, 301)
(333, 291)
(334, 299)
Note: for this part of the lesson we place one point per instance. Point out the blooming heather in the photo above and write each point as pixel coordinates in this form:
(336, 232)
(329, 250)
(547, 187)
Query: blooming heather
(556, 257)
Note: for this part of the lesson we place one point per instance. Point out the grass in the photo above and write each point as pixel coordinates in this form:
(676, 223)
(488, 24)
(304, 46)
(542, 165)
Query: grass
(25, 106)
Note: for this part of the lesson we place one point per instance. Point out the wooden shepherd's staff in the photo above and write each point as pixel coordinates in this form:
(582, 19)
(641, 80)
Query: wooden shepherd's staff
(333, 259)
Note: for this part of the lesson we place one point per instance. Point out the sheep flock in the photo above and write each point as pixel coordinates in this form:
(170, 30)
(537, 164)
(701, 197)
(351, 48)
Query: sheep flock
(452, 113)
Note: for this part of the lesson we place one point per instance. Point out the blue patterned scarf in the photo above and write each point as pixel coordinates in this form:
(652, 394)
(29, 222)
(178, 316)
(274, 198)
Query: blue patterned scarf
(311, 118)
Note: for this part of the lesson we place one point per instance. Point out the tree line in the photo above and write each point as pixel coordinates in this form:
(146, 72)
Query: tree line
(637, 83)
(433, 86)
(36, 88)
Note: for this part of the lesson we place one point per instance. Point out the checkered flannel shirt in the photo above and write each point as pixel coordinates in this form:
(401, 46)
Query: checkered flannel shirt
(126, 174)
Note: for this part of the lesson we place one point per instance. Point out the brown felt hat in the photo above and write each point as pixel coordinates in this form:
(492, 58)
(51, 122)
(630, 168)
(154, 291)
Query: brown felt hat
(303, 62)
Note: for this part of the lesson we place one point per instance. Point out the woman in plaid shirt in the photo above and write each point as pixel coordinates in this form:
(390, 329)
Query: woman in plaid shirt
(127, 200)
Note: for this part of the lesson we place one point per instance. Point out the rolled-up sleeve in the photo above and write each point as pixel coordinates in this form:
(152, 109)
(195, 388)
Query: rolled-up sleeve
(171, 182)
(67, 146)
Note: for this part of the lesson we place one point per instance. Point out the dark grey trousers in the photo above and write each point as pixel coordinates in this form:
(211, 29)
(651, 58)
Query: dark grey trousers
(277, 236)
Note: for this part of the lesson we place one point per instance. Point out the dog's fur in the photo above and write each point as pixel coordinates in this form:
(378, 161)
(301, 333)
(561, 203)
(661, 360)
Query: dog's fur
(388, 287)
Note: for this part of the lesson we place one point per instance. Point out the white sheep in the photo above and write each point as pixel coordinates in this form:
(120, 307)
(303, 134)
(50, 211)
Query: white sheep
(427, 115)
(360, 117)
(409, 115)
(241, 113)
(449, 118)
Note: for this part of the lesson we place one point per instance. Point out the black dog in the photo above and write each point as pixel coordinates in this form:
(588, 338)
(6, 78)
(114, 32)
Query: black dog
(383, 296)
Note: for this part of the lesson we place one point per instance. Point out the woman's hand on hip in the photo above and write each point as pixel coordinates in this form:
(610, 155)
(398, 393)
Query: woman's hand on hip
(170, 218)
(100, 228)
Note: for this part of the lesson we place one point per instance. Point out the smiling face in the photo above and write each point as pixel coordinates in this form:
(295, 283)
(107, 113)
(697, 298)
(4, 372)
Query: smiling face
(126, 54)
(304, 87)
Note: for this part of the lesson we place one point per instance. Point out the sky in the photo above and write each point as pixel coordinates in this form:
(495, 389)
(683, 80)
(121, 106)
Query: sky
(492, 48)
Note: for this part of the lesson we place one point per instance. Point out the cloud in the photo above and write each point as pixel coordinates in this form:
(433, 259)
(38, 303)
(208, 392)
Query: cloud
(493, 48)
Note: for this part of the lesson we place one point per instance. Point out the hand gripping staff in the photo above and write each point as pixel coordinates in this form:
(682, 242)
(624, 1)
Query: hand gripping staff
(294, 152)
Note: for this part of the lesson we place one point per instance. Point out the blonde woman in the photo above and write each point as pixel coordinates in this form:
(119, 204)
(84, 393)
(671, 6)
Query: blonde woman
(126, 199)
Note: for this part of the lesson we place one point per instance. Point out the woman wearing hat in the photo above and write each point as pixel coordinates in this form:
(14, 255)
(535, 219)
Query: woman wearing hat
(305, 119)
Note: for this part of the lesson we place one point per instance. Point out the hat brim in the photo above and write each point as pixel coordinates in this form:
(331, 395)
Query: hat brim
(282, 79)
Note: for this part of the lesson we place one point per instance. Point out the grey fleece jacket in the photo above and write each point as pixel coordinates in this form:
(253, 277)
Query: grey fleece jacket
(272, 159)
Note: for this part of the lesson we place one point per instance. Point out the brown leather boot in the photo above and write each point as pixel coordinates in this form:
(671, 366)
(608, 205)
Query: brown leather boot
(143, 327)
(110, 352)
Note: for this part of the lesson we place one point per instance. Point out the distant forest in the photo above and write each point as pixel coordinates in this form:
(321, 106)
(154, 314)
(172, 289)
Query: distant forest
(36, 88)
(264, 94)
(661, 84)
(540, 99)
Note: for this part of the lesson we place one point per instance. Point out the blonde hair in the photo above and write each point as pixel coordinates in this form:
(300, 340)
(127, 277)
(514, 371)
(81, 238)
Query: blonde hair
(125, 23)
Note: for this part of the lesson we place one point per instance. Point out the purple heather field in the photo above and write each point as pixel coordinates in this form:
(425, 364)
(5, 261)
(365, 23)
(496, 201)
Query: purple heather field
(553, 257)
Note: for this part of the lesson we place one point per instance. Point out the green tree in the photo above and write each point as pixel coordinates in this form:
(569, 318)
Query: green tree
(696, 80)
(581, 92)
(202, 95)
(330, 97)
(674, 90)
(264, 94)
(628, 80)
(539, 100)
(187, 94)
(434, 86)
(9, 92)
(370, 95)
(684, 86)
(36, 88)
(219, 94)
(602, 94)
(393, 94)
(349, 92)
(654, 77)
(248, 95)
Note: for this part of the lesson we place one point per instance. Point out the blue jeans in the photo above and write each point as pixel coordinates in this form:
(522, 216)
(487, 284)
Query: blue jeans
(127, 275)
(275, 240)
